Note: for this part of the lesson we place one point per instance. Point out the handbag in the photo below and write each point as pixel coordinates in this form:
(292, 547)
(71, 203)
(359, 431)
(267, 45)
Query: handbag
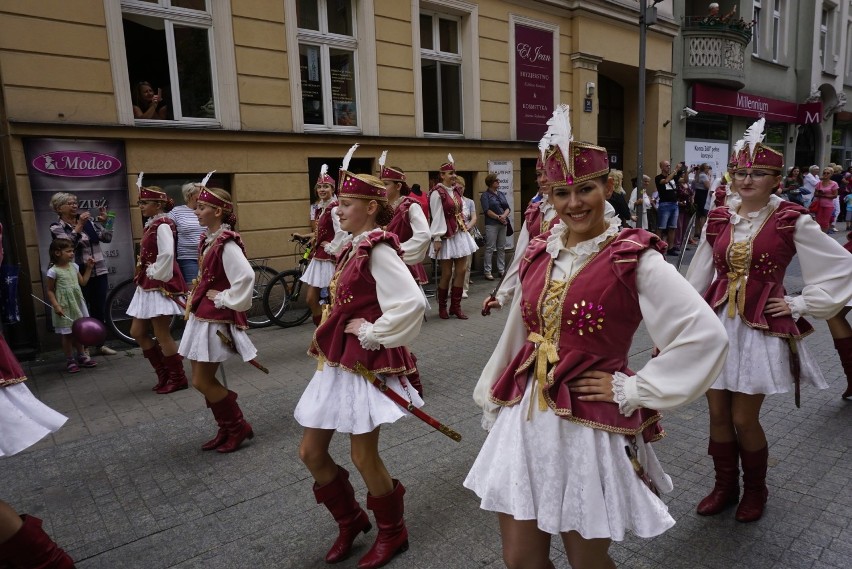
(477, 236)
(509, 230)
(814, 208)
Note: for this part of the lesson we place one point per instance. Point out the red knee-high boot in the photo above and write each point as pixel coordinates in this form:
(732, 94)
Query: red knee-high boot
(155, 358)
(726, 491)
(177, 376)
(221, 434)
(455, 303)
(31, 548)
(442, 303)
(339, 497)
(393, 535)
(233, 422)
(755, 492)
(844, 350)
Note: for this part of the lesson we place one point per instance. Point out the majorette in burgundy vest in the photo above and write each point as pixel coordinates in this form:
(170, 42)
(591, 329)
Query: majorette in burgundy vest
(586, 324)
(451, 202)
(353, 295)
(148, 256)
(400, 225)
(535, 222)
(211, 276)
(324, 232)
(751, 272)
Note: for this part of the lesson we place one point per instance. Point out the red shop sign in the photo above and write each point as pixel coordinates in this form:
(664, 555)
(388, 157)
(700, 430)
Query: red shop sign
(728, 102)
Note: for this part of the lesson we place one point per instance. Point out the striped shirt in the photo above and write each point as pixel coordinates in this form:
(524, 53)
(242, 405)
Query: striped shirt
(188, 232)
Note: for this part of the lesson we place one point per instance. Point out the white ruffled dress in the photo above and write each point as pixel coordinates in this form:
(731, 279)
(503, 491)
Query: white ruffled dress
(24, 420)
(570, 477)
(200, 341)
(148, 304)
(757, 362)
(456, 247)
(337, 399)
(320, 271)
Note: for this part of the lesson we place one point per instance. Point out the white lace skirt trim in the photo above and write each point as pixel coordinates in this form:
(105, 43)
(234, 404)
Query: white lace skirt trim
(567, 477)
(318, 273)
(760, 363)
(200, 342)
(346, 402)
(459, 245)
(150, 303)
(24, 420)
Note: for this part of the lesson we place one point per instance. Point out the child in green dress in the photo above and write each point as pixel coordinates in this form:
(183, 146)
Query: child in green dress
(63, 290)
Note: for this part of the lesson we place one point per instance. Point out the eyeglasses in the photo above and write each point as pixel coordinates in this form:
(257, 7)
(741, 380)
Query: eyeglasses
(756, 175)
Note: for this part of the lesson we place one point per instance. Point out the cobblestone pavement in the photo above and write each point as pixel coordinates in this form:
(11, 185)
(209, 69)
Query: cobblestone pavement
(125, 485)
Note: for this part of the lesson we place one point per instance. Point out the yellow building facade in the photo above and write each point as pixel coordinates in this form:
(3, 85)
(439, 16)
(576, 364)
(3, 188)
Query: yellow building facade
(264, 91)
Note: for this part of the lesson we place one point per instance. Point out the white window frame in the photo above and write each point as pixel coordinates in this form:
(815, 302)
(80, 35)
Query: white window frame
(554, 28)
(777, 29)
(222, 60)
(439, 56)
(361, 43)
(468, 14)
(755, 40)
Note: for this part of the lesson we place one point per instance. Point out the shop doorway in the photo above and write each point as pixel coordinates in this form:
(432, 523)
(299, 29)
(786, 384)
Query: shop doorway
(806, 146)
(611, 120)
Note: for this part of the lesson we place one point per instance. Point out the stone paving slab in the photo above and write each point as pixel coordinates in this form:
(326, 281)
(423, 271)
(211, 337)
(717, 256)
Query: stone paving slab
(125, 485)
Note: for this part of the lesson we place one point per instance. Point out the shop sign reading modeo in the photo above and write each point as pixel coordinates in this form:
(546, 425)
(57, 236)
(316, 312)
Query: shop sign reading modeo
(76, 164)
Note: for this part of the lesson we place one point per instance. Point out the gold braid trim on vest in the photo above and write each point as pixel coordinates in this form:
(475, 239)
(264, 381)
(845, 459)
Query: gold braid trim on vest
(546, 348)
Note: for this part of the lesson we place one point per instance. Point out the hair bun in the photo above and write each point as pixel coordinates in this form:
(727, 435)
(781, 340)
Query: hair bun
(230, 219)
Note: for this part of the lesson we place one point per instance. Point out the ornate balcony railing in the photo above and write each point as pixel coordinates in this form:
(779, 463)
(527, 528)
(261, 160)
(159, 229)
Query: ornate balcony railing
(715, 52)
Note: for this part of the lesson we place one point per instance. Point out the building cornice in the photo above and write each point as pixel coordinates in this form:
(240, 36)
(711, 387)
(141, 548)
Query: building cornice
(580, 60)
(608, 10)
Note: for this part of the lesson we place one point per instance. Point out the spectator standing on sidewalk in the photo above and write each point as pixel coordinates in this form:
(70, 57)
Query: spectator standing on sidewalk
(824, 195)
(634, 202)
(811, 180)
(495, 208)
(667, 211)
(739, 267)
(188, 232)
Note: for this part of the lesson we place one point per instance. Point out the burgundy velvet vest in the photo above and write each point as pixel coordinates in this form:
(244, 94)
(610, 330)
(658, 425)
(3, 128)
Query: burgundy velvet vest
(148, 256)
(599, 314)
(324, 232)
(451, 202)
(400, 225)
(353, 295)
(534, 220)
(772, 249)
(211, 276)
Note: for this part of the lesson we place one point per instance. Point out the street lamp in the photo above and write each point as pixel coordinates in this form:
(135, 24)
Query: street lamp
(647, 17)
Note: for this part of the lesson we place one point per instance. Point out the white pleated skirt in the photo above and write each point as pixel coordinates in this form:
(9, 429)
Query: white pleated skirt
(24, 420)
(340, 400)
(567, 477)
(459, 245)
(318, 273)
(760, 363)
(201, 343)
(151, 303)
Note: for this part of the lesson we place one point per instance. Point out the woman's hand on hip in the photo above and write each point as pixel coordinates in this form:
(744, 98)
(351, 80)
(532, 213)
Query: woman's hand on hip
(776, 307)
(594, 386)
(354, 326)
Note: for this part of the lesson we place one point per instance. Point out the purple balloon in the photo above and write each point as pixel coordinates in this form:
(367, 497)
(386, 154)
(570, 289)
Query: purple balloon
(89, 331)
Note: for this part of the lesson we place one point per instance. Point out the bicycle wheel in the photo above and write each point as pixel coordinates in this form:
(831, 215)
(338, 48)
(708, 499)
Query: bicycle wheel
(285, 300)
(256, 315)
(117, 320)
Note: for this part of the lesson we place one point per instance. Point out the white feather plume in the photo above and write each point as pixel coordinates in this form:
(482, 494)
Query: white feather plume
(544, 144)
(559, 129)
(323, 171)
(450, 159)
(738, 145)
(207, 178)
(382, 158)
(754, 135)
(348, 157)
(139, 180)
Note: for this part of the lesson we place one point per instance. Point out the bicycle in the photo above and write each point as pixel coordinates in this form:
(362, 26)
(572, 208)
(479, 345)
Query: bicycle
(118, 300)
(284, 300)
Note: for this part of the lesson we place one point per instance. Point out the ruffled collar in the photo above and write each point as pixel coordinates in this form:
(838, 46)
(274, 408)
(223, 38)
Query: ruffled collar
(544, 204)
(213, 236)
(556, 244)
(397, 201)
(735, 201)
(322, 204)
(154, 218)
(356, 240)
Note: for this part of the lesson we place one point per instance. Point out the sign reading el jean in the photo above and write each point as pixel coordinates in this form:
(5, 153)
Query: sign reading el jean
(94, 171)
(534, 75)
(728, 102)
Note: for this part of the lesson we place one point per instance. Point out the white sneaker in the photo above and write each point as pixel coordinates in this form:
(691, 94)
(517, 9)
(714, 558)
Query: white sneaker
(464, 295)
(106, 351)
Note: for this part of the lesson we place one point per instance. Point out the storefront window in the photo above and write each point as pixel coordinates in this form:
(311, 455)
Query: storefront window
(776, 133)
(708, 127)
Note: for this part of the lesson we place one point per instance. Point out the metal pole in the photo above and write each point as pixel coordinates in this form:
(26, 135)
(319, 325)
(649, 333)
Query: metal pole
(640, 131)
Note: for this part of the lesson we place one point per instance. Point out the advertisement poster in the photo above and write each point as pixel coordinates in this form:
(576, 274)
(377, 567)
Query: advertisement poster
(714, 153)
(93, 170)
(534, 75)
(503, 169)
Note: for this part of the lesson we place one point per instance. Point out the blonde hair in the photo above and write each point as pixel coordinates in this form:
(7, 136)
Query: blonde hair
(617, 180)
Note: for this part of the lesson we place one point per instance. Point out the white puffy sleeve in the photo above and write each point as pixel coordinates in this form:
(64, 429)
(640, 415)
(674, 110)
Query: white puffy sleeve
(511, 279)
(415, 249)
(334, 246)
(439, 224)
(400, 299)
(240, 275)
(693, 343)
(826, 270)
(161, 269)
(701, 269)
